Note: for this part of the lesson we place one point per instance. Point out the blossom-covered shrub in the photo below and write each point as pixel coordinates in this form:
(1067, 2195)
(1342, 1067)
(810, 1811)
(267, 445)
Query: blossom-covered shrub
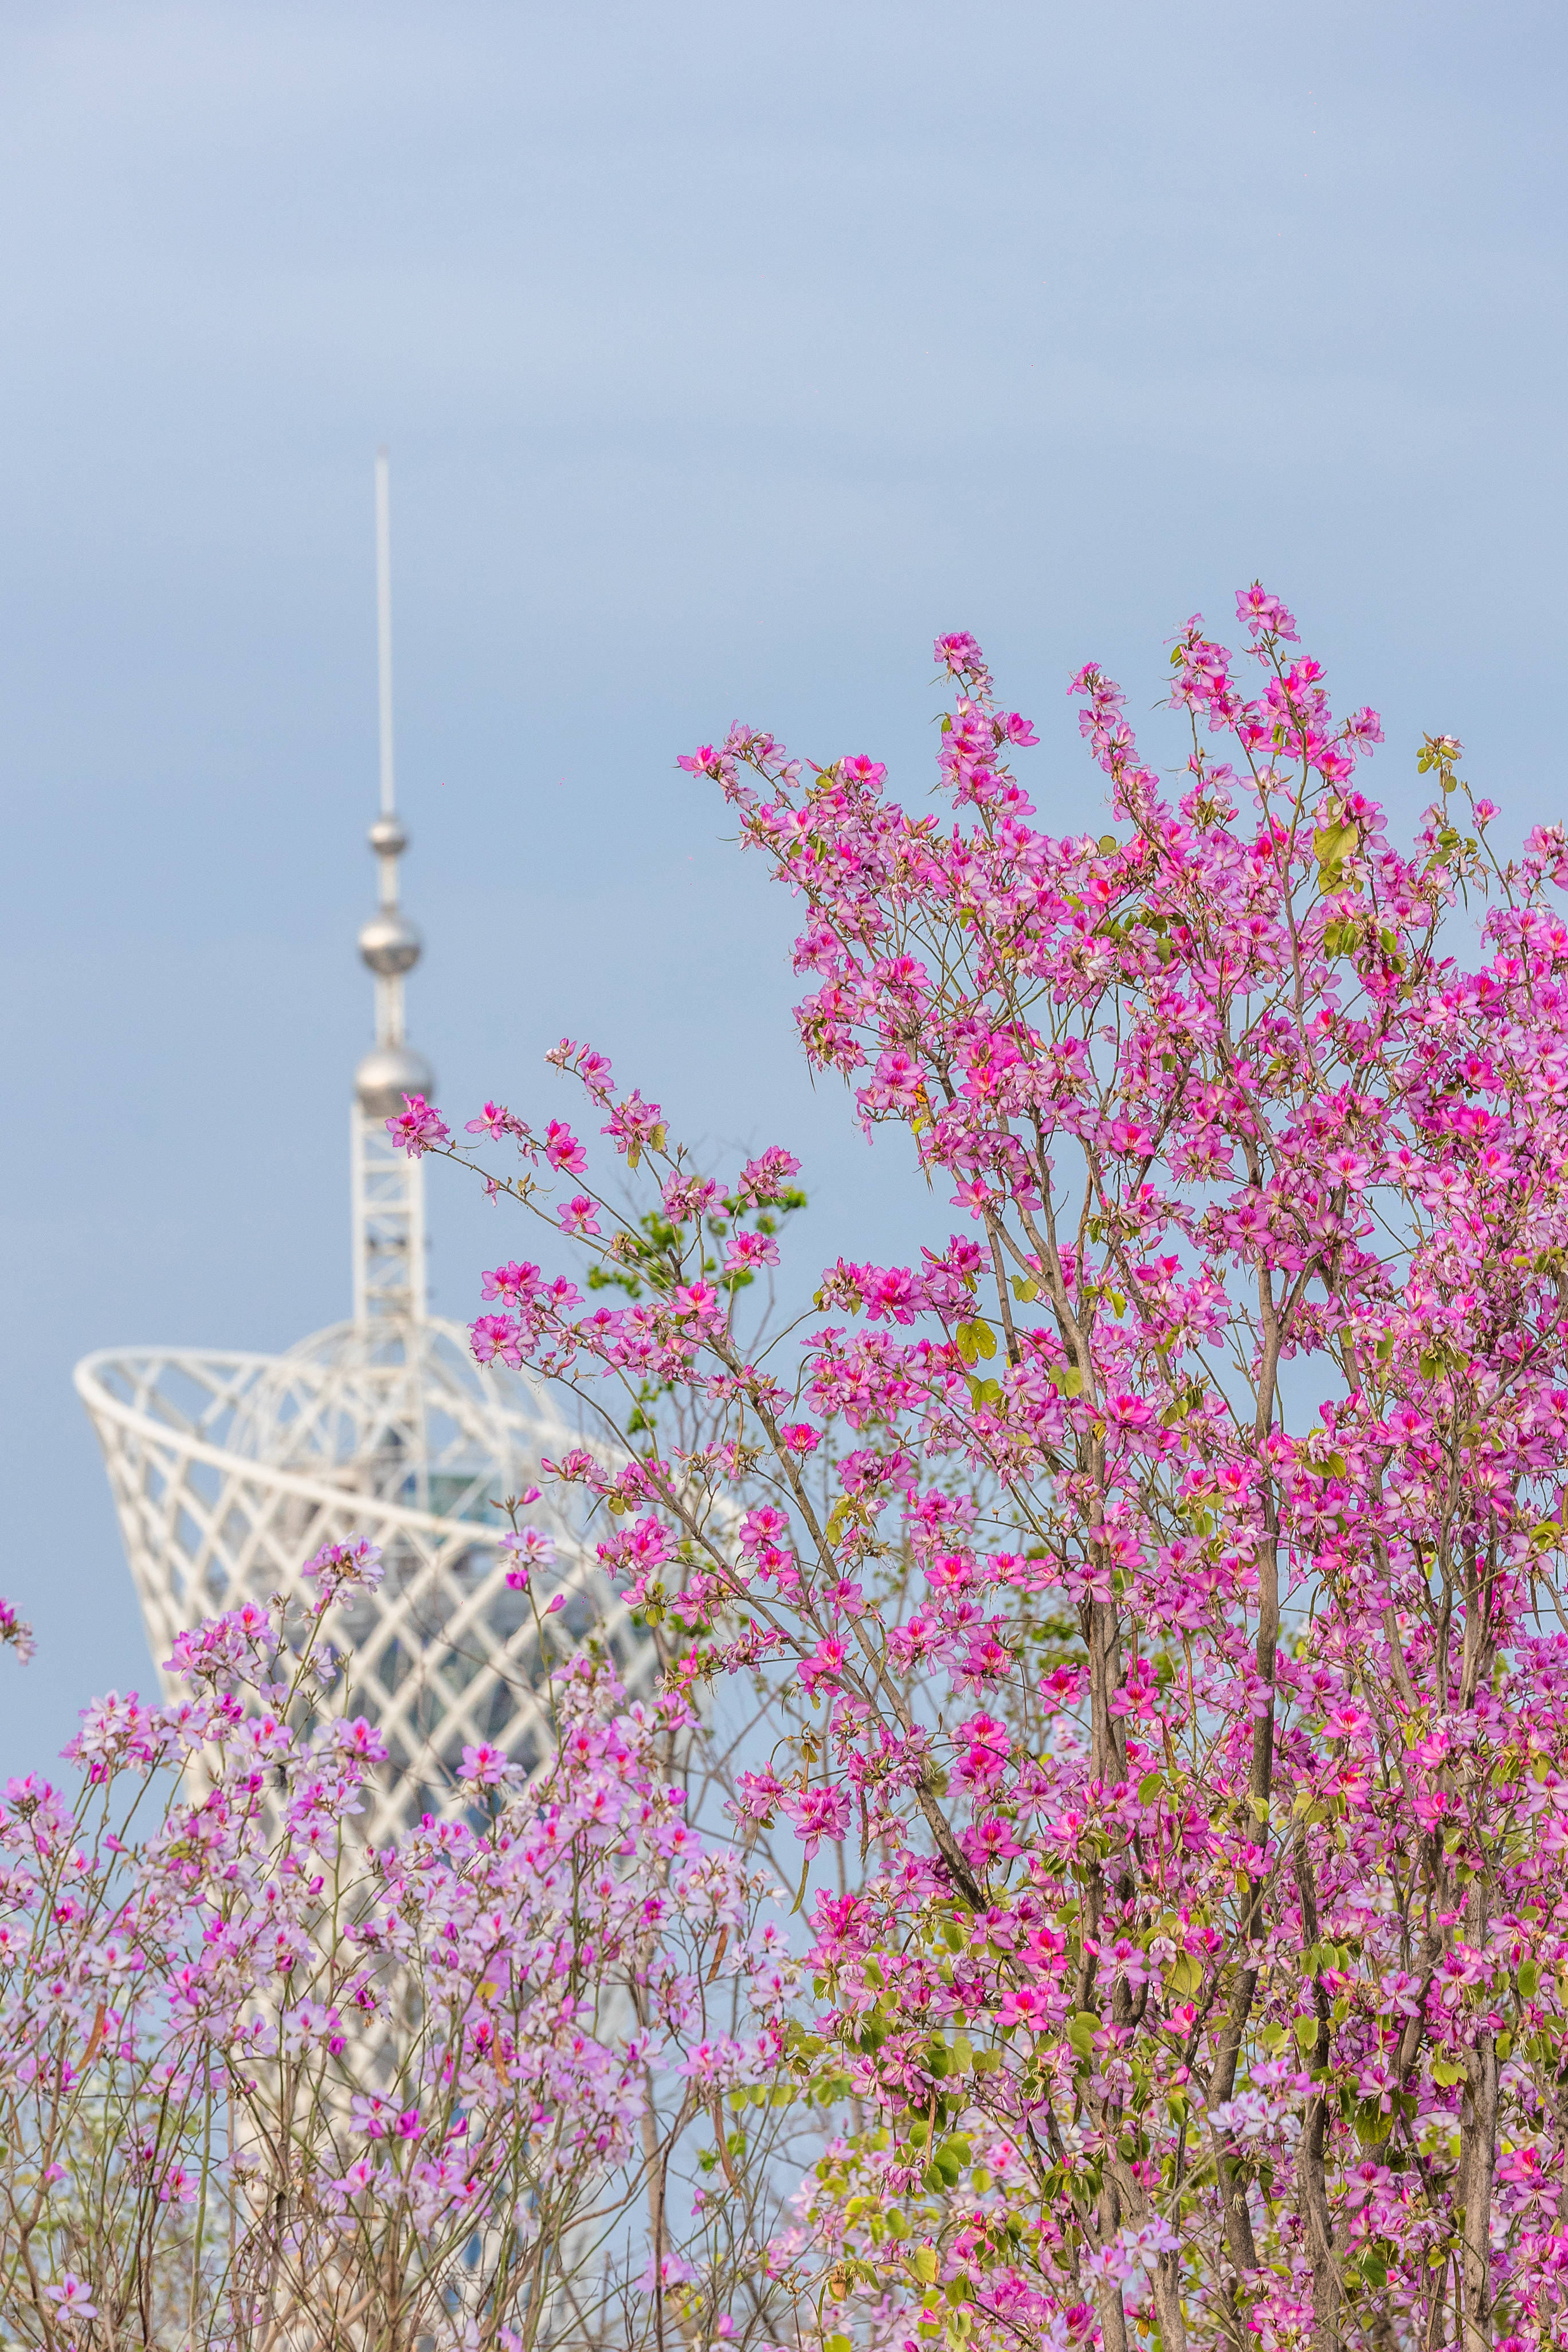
(260, 2087)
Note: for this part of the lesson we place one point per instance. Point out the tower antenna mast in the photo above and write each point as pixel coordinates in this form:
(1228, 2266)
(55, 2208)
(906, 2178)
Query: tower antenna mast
(383, 622)
(388, 1188)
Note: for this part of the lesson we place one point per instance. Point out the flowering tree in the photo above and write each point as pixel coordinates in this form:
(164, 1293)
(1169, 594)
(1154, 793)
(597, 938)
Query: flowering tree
(1157, 1588)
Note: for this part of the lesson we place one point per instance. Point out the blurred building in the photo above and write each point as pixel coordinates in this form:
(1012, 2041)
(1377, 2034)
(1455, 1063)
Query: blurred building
(230, 1470)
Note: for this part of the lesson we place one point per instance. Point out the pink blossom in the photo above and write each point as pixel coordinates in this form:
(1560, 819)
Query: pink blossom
(633, 1124)
(74, 2295)
(749, 1250)
(485, 1765)
(818, 1813)
(14, 1633)
(562, 1150)
(354, 1565)
(417, 1128)
(765, 1179)
(496, 1337)
(580, 1216)
(531, 1548)
(495, 1121)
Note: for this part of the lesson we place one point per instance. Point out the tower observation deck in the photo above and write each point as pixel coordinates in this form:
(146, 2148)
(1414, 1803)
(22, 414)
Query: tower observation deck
(229, 1470)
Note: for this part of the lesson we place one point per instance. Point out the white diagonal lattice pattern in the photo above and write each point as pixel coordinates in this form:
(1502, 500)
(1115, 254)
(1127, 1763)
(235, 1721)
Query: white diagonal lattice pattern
(230, 1470)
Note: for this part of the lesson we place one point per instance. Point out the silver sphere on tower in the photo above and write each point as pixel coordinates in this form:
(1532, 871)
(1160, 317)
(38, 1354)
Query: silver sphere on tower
(386, 1075)
(228, 1469)
(389, 943)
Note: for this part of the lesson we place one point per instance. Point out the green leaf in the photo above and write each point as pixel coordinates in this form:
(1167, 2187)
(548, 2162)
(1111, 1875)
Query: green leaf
(967, 1345)
(1185, 1976)
(1529, 1977)
(1150, 1785)
(1371, 2125)
(984, 1337)
(1067, 1379)
(1024, 1291)
(1306, 2034)
(1082, 2027)
(1331, 844)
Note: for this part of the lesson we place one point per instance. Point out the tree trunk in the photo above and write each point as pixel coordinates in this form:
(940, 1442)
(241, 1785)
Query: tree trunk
(1107, 2291)
(1477, 2162)
(1314, 2206)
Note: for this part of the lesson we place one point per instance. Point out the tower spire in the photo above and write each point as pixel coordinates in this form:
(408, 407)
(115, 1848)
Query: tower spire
(388, 1188)
(383, 622)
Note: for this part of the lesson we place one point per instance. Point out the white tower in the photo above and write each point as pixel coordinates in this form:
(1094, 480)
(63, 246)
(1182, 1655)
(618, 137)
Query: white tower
(229, 1470)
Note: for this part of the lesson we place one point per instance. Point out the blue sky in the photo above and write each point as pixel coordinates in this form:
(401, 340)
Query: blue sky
(726, 354)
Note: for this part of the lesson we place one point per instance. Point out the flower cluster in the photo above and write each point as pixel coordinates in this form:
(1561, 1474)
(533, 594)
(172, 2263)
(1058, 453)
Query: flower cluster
(16, 1634)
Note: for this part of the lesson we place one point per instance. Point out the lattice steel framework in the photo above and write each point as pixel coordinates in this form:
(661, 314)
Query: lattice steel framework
(230, 1470)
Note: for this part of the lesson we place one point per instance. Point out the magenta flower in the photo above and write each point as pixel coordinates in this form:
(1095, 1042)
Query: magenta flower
(562, 1150)
(418, 1128)
(818, 1813)
(16, 1634)
(580, 1217)
(484, 1766)
(496, 1121)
